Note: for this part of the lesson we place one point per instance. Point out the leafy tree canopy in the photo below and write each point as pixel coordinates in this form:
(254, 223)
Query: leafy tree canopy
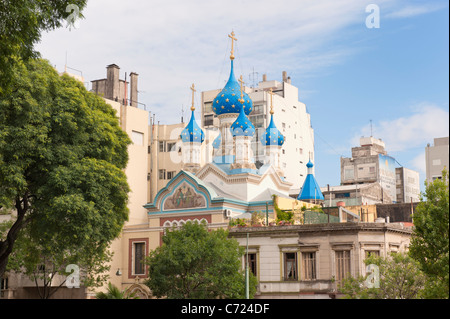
(196, 263)
(21, 25)
(397, 276)
(62, 161)
(430, 242)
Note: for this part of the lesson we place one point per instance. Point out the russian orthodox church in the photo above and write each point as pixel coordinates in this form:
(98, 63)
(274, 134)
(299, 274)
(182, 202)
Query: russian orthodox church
(230, 185)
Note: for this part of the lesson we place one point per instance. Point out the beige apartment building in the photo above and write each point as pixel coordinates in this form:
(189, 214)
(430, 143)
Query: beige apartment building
(165, 154)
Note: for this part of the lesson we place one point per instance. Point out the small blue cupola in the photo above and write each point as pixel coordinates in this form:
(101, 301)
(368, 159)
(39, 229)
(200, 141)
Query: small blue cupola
(192, 132)
(272, 136)
(242, 126)
(310, 191)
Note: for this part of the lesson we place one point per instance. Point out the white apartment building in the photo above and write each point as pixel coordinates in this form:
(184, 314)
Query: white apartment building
(436, 158)
(292, 119)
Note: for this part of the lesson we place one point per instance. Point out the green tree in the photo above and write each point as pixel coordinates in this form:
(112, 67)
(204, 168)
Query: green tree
(196, 263)
(62, 161)
(397, 276)
(114, 293)
(429, 243)
(21, 25)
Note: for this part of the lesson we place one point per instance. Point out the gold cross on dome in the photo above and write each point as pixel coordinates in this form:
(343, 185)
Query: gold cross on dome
(242, 94)
(271, 100)
(232, 46)
(193, 92)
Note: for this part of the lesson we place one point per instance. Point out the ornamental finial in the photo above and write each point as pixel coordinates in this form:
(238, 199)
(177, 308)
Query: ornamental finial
(233, 38)
(193, 91)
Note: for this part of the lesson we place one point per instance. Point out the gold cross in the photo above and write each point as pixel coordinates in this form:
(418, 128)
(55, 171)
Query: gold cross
(271, 100)
(193, 91)
(242, 94)
(232, 47)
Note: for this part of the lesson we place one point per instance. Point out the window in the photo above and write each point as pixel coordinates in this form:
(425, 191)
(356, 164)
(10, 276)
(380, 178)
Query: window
(162, 174)
(290, 266)
(208, 107)
(137, 138)
(257, 109)
(138, 260)
(4, 283)
(437, 162)
(374, 253)
(342, 195)
(252, 262)
(171, 174)
(342, 264)
(171, 147)
(309, 266)
(162, 146)
(209, 119)
(257, 120)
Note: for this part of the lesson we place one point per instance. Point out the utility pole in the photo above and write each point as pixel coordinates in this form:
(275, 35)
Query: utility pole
(247, 295)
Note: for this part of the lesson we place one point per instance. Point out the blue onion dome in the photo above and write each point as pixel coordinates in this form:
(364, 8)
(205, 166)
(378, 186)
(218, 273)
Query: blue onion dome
(272, 136)
(228, 100)
(242, 126)
(217, 141)
(309, 165)
(192, 132)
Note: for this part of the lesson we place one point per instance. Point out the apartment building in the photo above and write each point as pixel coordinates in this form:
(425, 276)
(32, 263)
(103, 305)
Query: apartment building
(436, 158)
(372, 174)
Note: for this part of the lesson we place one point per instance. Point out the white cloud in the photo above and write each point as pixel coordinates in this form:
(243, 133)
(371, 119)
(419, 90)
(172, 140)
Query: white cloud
(425, 122)
(418, 163)
(415, 10)
(174, 43)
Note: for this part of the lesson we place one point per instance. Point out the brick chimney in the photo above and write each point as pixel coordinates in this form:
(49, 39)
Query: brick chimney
(134, 89)
(112, 82)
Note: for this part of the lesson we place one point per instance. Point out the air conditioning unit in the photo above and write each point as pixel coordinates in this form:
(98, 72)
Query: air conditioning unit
(227, 213)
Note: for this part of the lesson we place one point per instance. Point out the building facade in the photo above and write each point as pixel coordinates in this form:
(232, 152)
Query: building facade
(309, 261)
(436, 158)
(371, 165)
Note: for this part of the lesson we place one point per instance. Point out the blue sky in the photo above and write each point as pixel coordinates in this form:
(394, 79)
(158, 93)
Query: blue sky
(348, 75)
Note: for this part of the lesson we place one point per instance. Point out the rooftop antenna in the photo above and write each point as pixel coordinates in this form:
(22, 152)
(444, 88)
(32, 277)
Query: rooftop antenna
(182, 113)
(252, 77)
(371, 128)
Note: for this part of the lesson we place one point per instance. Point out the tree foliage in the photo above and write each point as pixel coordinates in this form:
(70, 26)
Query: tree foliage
(196, 263)
(395, 277)
(21, 25)
(115, 293)
(62, 161)
(430, 241)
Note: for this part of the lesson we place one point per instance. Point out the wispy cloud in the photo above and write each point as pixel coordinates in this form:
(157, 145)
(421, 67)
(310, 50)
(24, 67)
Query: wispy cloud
(425, 122)
(174, 43)
(415, 10)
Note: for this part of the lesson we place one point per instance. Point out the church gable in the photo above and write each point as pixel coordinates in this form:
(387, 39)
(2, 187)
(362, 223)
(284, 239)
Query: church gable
(183, 192)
